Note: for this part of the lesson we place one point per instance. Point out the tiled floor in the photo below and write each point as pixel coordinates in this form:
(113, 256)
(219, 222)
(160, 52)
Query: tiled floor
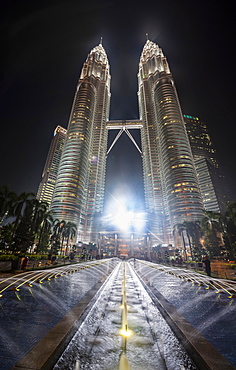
(28, 315)
(213, 315)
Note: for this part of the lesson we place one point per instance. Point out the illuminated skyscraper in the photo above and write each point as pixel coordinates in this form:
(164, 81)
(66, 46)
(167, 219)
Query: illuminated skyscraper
(170, 182)
(79, 190)
(49, 176)
(211, 180)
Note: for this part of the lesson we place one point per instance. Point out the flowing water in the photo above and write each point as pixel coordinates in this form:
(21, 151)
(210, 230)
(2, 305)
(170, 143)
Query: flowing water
(211, 313)
(113, 337)
(30, 312)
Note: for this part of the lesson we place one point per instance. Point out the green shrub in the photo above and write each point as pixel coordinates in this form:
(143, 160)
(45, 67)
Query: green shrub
(8, 257)
(37, 257)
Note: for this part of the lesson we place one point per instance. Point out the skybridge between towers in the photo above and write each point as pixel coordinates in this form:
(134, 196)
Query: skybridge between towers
(167, 159)
(124, 126)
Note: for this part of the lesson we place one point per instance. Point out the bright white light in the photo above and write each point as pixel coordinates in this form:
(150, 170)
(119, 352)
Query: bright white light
(123, 219)
(120, 213)
(127, 220)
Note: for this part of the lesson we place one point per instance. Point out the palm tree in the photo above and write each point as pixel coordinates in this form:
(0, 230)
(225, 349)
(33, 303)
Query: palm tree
(193, 232)
(20, 206)
(180, 228)
(5, 234)
(45, 231)
(187, 227)
(212, 227)
(56, 237)
(228, 221)
(69, 232)
(38, 210)
(7, 199)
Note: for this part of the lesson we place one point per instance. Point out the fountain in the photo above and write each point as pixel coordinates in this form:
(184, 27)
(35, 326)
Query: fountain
(207, 304)
(31, 310)
(136, 338)
(126, 324)
(125, 332)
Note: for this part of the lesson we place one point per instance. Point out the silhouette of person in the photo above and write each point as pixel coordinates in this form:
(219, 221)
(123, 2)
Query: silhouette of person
(207, 265)
(24, 263)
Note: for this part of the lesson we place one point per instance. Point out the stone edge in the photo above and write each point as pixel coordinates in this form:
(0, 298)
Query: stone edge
(47, 351)
(203, 353)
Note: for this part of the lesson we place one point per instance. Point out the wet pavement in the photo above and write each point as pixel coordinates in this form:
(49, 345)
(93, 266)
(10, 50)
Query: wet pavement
(27, 315)
(111, 334)
(212, 314)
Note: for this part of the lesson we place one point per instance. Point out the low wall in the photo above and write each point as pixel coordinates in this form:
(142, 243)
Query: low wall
(5, 265)
(222, 270)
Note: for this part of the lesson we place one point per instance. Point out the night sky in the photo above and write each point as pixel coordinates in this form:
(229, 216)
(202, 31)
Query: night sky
(45, 44)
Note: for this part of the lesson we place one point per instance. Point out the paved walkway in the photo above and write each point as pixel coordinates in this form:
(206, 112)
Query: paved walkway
(29, 313)
(200, 300)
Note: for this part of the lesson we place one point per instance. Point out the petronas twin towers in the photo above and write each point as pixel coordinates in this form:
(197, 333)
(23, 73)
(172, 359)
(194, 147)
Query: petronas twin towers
(170, 182)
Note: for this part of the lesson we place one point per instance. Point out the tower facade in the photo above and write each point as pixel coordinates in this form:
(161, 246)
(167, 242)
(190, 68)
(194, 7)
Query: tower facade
(49, 175)
(211, 180)
(170, 181)
(79, 190)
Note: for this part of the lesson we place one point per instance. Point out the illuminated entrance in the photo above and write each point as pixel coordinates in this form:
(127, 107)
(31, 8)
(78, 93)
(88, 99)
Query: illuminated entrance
(124, 245)
(125, 234)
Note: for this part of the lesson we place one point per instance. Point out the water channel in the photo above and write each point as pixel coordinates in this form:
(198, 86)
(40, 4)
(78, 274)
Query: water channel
(124, 330)
(122, 327)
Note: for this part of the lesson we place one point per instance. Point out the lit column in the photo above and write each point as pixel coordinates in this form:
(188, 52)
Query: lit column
(132, 244)
(148, 246)
(116, 244)
(99, 243)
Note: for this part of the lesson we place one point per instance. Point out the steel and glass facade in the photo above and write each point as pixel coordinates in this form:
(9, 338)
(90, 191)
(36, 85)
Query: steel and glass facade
(170, 181)
(49, 175)
(79, 190)
(210, 177)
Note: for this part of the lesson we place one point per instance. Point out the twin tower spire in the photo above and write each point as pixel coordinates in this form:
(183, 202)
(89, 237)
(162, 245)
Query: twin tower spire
(170, 184)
